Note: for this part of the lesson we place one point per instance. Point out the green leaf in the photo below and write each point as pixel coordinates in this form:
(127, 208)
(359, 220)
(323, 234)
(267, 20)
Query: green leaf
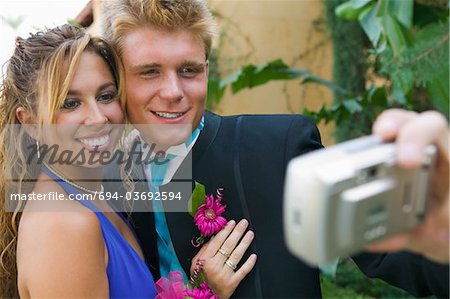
(352, 105)
(215, 92)
(258, 75)
(370, 24)
(347, 11)
(308, 78)
(250, 76)
(438, 91)
(198, 198)
(398, 94)
(398, 36)
(360, 3)
(402, 10)
(377, 96)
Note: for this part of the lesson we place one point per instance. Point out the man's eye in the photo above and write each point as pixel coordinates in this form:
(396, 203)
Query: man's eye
(107, 97)
(150, 72)
(189, 71)
(70, 104)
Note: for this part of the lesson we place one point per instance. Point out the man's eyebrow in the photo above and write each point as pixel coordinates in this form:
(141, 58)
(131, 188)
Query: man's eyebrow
(193, 63)
(137, 67)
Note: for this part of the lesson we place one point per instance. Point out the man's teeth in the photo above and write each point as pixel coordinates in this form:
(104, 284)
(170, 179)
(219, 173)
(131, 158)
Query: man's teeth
(93, 142)
(168, 115)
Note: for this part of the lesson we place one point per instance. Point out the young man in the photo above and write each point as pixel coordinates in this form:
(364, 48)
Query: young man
(164, 46)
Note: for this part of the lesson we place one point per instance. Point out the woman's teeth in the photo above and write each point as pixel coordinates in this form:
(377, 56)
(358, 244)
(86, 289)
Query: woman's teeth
(168, 115)
(95, 142)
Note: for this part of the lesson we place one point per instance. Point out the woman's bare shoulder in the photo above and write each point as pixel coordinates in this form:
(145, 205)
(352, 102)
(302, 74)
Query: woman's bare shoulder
(54, 243)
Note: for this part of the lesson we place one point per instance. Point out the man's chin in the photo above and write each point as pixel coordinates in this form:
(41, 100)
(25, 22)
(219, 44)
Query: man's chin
(165, 136)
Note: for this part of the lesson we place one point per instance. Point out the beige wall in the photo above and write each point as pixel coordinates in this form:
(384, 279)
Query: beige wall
(260, 31)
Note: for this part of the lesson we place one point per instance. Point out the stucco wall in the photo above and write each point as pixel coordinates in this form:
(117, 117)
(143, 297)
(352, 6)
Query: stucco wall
(260, 31)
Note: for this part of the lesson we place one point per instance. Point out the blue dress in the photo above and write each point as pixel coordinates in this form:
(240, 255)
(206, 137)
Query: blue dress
(128, 274)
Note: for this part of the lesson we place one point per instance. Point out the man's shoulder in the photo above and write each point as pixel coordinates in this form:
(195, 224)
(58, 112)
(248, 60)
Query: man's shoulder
(269, 124)
(265, 120)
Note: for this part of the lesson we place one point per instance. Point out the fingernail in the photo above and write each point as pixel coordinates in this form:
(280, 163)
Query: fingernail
(231, 223)
(243, 223)
(385, 127)
(250, 234)
(410, 154)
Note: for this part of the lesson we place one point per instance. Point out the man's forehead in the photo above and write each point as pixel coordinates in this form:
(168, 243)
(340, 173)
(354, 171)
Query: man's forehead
(150, 46)
(137, 35)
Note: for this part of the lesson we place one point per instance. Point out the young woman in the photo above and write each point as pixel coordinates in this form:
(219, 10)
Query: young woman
(65, 88)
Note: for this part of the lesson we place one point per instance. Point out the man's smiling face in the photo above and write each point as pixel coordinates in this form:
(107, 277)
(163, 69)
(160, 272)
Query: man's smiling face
(166, 74)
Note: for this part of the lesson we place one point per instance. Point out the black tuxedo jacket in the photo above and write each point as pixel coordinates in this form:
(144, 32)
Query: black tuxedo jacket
(246, 155)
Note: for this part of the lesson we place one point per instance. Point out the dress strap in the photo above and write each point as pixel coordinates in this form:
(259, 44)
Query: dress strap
(71, 190)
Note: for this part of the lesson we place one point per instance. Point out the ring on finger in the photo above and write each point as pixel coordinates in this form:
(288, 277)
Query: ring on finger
(230, 264)
(224, 252)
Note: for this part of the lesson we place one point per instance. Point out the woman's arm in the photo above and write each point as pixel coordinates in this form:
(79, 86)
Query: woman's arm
(60, 255)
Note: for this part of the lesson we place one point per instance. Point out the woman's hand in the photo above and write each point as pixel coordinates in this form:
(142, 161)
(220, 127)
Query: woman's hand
(413, 132)
(221, 255)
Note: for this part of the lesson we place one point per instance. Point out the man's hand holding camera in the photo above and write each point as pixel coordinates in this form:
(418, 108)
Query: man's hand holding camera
(413, 132)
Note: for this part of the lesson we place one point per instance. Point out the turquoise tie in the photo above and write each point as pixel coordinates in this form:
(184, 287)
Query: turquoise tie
(168, 260)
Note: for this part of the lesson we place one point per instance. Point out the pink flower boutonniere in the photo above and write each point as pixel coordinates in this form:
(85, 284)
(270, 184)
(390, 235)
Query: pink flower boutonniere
(207, 211)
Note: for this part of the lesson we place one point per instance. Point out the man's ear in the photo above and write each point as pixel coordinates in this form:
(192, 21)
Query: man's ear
(207, 68)
(25, 117)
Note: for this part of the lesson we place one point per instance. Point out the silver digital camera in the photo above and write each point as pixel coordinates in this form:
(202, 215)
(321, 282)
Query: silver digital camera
(339, 199)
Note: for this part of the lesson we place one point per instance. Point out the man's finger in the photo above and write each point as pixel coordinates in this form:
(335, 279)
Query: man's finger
(390, 121)
(412, 139)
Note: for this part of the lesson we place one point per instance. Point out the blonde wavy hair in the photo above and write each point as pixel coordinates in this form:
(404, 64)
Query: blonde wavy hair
(119, 17)
(37, 78)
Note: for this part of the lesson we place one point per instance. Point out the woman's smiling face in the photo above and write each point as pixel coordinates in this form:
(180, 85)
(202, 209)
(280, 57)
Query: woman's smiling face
(90, 118)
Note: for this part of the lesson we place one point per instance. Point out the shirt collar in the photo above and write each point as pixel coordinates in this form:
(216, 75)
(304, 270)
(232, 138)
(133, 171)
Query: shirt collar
(180, 149)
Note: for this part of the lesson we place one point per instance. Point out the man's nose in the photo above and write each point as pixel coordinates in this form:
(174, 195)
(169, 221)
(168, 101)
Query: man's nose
(171, 88)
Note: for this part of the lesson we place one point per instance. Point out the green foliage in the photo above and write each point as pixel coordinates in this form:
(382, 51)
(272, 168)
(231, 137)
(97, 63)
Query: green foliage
(350, 282)
(250, 76)
(349, 61)
(410, 53)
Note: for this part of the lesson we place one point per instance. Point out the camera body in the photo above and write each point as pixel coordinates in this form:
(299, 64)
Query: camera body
(338, 200)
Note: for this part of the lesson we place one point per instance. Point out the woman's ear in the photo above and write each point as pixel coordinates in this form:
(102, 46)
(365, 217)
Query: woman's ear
(25, 117)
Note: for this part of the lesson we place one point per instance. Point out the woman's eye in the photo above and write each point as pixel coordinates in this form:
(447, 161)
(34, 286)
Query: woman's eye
(70, 104)
(107, 97)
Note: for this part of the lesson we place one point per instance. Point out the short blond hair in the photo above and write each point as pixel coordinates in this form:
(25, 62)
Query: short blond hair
(119, 17)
